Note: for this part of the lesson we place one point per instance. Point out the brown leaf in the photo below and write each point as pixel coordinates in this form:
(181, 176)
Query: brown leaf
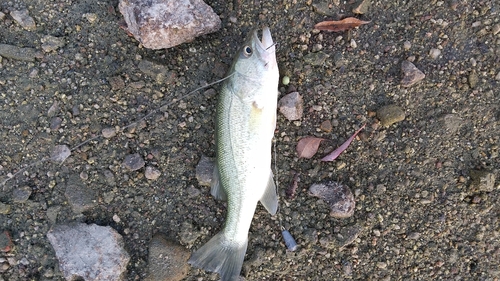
(341, 25)
(308, 146)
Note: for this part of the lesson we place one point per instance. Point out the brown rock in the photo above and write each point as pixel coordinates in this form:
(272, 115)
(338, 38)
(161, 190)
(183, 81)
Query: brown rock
(291, 106)
(167, 261)
(412, 74)
(159, 24)
(338, 196)
(390, 114)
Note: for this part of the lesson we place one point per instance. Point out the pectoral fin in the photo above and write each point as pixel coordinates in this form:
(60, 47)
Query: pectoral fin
(215, 187)
(270, 198)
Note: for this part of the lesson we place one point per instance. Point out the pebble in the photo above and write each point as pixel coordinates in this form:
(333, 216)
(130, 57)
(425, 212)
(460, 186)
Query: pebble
(362, 7)
(497, 77)
(323, 8)
(160, 73)
(51, 43)
(6, 244)
(326, 126)
(411, 74)
(16, 53)
(205, 170)
(60, 153)
(407, 45)
(390, 114)
(291, 106)
(4, 208)
(152, 173)
(187, 234)
(108, 133)
(496, 29)
(285, 80)
(473, 79)
(347, 235)
(91, 252)
(353, 44)
(80, 197)
(434, 53)
(452, 123)
(167, 260)
(21, 194)
(414, 235)
(116, 83)
(482, 180)
(2, 16)
(23, 18)
(338, 196)
(133, 162)
(315, 59)
(160, 24)
(55, 123)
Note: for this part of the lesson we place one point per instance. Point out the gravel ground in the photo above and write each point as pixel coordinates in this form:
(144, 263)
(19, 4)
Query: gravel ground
(419, 213)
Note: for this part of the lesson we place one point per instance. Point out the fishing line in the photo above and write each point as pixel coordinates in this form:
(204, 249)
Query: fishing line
(9, 177)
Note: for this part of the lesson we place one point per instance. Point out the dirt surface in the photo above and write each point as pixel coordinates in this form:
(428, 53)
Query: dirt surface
(419, 215)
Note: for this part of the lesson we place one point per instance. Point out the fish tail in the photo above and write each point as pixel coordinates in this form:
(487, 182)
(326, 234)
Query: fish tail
(220, 255)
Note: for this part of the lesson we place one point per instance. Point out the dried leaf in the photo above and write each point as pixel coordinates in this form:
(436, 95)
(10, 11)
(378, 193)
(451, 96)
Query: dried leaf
(308, 146)
(334, 154)
(341, 25)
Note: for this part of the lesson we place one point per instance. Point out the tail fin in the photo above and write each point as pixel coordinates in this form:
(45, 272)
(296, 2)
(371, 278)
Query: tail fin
(222, 256)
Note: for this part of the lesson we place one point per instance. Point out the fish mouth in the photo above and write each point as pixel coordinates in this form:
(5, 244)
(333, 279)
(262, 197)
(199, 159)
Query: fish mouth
(266, 43)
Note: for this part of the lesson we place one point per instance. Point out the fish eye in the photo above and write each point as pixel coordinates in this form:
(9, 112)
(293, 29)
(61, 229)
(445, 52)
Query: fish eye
(247, 51)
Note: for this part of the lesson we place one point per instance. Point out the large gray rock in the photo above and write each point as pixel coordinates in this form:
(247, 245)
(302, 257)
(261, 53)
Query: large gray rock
(159, 24)
(91, 252)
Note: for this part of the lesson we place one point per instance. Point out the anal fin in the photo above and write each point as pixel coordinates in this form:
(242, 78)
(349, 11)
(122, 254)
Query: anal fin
(270, 198)
(215, 187)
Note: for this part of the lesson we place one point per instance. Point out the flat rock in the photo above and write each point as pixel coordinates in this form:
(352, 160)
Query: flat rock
(452, 122)
(205, 170)
(80, 197)
(89, 252)
(291, 106)
(6, 243)
(390, 114)
(316, 59)
(159, 72)
(60, 153)
(16, 53)
(482, 180)
(52, 43)
(338, 196)
(152, 173)
(21, 194)
(167, 260)
(133, 162)
(159, 24)
(411, 74)
(23, 18)
(347, 235)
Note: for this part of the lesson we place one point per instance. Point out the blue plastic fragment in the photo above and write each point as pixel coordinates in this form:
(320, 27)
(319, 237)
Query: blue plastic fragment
(289, 241)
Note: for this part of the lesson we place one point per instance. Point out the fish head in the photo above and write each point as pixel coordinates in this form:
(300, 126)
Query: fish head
(257, 57)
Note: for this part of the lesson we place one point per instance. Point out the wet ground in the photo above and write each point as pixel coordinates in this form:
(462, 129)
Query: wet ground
(419, 215)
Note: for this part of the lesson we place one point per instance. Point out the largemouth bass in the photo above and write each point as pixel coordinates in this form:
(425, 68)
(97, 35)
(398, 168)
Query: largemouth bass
(246, 119)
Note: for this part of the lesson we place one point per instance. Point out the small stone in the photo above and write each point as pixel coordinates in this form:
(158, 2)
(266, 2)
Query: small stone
(108, 133)
(2, 16)
(411, 74)
(167, 260)
(160, 73)
(482, 181)
(89, 252)
(4, 208)
(21, 194)
(116, 83)
(452, 123)
(160, 24)
(382, 265)
(326, 126)
(496, 29)
(188, 234)
(406, 45)
(52, 213)
(362, 7)
(60, 153)
(285, 80)
(390, 114)
(316, 59)
(152, 173)
(338, 196)
(434, 53)
(205, 170)
(473, 79)
(497, 77)
(23, 18)
(291, 106)
(52, 43)
(413, 235)
(353, 44)
(323, 8)
(55, 123)
(6, 244)
(133, 162)
(80, 197)
(16, 53)
(347, 235)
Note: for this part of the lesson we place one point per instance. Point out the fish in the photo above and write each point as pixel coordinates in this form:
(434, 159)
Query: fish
(245, 124)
